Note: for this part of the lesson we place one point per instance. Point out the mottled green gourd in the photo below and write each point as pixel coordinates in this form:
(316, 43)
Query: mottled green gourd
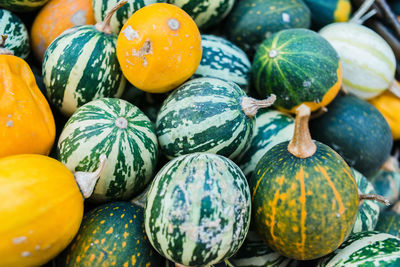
(389, 222)
(17, 34)
(304, 196)
(111, 235)
(124, 134)
(22, 5)
(324, 12)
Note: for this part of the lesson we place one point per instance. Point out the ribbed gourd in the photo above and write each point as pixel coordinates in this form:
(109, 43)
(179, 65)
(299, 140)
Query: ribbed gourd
(17, 34)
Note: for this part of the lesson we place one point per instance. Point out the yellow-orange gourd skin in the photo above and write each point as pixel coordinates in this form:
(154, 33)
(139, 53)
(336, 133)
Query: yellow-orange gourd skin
(41, 209)
(159, 48)
(389, 105)
(54, 18)
(26, 121)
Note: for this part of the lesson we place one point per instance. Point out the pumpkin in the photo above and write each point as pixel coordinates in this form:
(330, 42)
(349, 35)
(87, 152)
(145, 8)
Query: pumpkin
(159, 47)
(25, 114)
(299, 66)
(41, 207)
(22, 5)
(304, 196)
(324, 12)
(14, 28)
(54, 18)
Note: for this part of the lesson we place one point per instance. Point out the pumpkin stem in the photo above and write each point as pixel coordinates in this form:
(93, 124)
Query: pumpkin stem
(104, 26)
(394, 88)
(301, 145)
(375, 197)
(87, 180)
(360, 15)
(390, 165)
(321, 111)
(3, 50)
(250, 106)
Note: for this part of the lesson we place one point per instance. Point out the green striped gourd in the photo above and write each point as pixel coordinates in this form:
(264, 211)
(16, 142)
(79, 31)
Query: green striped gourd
(22, 5)
(251, 21)
(205, 115)
(205, 13)
(81, 65)
(17, 34)
(304, 196)
(365, 249)
(271, 128)
(102, 7)
(368, 212)
(368, 61)
(299, 66)
(387, 183)
(111, 235)
(189, 217)
(124, 134)
(324, 12)
(389, 222)
(223, 60)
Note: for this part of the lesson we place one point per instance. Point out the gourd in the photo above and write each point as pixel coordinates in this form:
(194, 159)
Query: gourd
(324, 12)
(14, 28)
(41, 207)
(159, 48)
(22, 5)
(389, 222)
(25, 114)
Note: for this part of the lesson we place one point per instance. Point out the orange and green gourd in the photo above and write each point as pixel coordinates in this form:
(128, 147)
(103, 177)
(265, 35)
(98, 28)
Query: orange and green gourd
(159, 48)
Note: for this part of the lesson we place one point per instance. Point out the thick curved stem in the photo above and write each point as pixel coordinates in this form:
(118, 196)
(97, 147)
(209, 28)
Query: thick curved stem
(104, 26)
(250, 106)
(358, 15)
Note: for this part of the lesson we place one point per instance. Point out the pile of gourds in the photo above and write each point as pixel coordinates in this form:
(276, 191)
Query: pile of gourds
(199, 133)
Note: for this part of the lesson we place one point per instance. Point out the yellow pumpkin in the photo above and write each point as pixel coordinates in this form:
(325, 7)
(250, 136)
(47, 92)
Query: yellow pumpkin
(389, 105)
(41, 208)
(159, 48)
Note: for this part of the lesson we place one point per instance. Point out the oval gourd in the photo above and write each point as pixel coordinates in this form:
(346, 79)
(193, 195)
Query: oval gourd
(124, 134)
(17, 34)
(324, 12)
(159, 48)
(299, 66)
(54, 18)
(389, 222)
(368, 61)
(357, 131)
(111, 234)
(22, 5)
(189, 218)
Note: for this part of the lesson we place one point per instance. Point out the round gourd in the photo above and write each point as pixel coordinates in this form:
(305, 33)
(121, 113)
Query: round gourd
(22, 5)
(389, 105)
(299, 66)
(223, 60)
(26, 121)
(205, 115)
(41, 208)
(271, 128)
(389, 222)
(124, 134)
(189, 218)
(304, 196)
(357, 131)
(17, 34)
(206, 13)
(324, 12)
(81, 65)
(102, 7)
(251, 21)
(111, 234)
(368, 61)
(159, 47)
(54, 18)
(365, 249)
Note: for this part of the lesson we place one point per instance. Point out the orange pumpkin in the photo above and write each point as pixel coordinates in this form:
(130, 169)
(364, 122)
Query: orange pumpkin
(159, 48)
(26, 122)
(54, 18)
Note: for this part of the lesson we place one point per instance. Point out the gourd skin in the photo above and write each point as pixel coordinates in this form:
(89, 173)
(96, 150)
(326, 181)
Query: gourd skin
(41, 209)
(26, 121)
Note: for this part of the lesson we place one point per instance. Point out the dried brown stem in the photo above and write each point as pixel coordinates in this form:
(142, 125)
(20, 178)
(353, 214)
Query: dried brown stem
(250, 106)
(104, 26)
(375, 197)
(3, 50)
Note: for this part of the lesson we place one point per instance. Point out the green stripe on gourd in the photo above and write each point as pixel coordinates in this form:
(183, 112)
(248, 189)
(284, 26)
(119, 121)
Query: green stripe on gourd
(22, 5)
(324, 12)
(271, 128)
(205, 13)
(365, 249)
(124, 134)
(368, 212)
(102, 7)
(81, 65)
(17, 34)
(189, 217)
(223, 60)
(389, 222)
(368, 61)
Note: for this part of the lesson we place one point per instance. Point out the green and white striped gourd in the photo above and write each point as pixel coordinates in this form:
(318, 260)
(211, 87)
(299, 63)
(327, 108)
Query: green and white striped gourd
(189, 217)
(271, 128)
(389, 222)
(368, 211)
(223, 60)
(205, 115)
(102, 7)
(365, 249)
(17, 34)
(368, 61)
(205, 13)
(22, 5)
(81, 65)
(387, 184)
(124, 134)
